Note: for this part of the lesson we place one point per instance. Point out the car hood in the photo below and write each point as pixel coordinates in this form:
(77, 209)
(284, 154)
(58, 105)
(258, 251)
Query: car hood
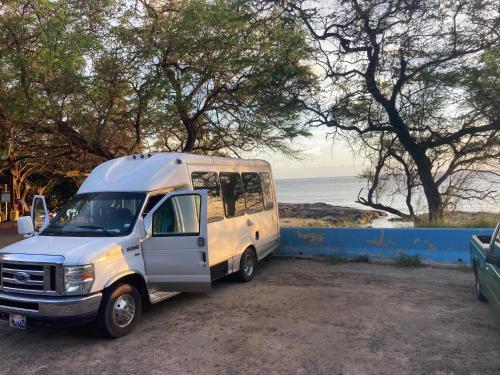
(75, 250)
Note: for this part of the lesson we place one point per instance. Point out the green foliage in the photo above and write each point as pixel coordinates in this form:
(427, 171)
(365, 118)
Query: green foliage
(82, 82)
(408, 261)
(412, 86)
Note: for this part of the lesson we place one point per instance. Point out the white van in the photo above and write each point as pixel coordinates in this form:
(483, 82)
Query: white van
(140, 229)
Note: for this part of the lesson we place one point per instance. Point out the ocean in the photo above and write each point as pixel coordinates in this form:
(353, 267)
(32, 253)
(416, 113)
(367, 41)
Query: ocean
(343, 191)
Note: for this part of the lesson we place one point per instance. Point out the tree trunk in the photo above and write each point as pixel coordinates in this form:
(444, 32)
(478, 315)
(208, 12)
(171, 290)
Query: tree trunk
(191, 134)
(423, 163)
(434, 199)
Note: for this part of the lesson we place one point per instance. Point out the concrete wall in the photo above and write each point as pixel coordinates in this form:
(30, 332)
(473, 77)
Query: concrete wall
(436, 245)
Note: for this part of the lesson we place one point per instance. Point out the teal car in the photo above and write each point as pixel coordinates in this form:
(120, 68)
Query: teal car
(485, 260)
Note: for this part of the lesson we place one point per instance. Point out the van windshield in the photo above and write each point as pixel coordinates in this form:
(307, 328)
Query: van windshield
(97, 214)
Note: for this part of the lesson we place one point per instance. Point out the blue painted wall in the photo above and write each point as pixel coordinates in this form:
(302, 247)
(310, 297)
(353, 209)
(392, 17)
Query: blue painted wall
(438, 245)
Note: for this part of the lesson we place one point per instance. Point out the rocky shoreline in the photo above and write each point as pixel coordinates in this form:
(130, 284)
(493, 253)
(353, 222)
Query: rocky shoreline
(325, 215)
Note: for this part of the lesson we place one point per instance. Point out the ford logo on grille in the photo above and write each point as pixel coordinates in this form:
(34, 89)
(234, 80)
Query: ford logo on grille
(21, 277)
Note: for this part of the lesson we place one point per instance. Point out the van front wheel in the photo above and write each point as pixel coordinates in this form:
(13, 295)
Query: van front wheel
(248, 263)
(120, 310)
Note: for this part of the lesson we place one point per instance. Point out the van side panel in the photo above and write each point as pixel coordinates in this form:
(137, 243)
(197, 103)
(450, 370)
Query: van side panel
(229, 237)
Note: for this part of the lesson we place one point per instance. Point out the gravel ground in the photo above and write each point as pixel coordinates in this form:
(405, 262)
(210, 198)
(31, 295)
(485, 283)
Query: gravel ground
(296, 317)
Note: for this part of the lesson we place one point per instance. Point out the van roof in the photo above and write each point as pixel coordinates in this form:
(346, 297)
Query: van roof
(152, 171)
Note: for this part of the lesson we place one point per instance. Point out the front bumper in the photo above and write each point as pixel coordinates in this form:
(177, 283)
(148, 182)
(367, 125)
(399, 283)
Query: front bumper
(50, 307)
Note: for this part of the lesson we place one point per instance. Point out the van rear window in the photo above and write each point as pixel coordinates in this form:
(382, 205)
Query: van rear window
(232, 193)
(265, 180)
(210, 181)
(253, 192)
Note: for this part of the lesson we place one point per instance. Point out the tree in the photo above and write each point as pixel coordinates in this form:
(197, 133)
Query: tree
(404, 78)
(84, 82)
(44, 51)
(228, 78)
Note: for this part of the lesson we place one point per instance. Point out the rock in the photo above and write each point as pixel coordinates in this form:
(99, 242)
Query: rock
(332, 215)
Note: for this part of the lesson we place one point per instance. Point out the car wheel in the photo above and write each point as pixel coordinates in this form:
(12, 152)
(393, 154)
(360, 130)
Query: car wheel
(248, 264)
(120, 310)
(479, 293)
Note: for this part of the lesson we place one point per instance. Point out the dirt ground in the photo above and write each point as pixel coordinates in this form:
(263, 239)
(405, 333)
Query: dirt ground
(295, 317)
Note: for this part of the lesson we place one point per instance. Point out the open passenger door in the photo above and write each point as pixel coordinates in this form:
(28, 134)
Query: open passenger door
(175, 250)
(39, 213)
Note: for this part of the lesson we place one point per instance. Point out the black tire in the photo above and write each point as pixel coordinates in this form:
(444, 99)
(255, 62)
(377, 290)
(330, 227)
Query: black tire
(120, 311)
(479, 293)
(248, 264)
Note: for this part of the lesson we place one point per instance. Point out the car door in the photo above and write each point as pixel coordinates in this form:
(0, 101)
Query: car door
(176, 249)
(39, 213)
(492, 273)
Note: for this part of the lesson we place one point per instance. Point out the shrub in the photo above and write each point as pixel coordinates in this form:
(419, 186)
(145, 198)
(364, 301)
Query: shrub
(408, 261)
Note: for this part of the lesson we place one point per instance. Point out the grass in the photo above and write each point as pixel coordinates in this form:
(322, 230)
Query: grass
(338, 259)
(408, 261)
(461, 220)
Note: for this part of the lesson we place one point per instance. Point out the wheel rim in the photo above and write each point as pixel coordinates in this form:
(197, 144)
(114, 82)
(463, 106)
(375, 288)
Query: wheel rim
(478, 287)
(124, 310)
(248, 265)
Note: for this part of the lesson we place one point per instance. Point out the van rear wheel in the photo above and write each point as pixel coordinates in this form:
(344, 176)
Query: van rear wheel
(248, 263)
(120, 311)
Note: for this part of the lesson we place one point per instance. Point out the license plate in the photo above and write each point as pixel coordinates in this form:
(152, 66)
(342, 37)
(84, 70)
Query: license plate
(17, 321)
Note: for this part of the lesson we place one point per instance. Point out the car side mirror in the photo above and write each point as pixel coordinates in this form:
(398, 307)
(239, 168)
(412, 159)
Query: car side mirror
(146, 227)
(493, 259)
(140, 228)
(25, 226)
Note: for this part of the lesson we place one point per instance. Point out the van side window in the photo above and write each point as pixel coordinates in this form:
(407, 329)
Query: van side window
(265, 180)
(210, 181)
(253, 192)
(153, 200)
(232, 193)
(178, 215)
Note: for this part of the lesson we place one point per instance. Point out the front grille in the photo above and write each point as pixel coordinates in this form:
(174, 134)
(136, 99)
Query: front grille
(19, 305)
(20, 277)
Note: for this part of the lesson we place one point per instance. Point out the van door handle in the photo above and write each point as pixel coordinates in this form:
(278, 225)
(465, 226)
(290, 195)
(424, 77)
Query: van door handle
(203, 258)
(250, 222)
(201, 242)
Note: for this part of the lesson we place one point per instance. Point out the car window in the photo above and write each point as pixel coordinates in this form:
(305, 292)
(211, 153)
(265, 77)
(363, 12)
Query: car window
(265, 180)
(153, 201)
(253, 192)
(210, 181)
(178, 215)
(496, 245)
(232, 194)
(97, 214)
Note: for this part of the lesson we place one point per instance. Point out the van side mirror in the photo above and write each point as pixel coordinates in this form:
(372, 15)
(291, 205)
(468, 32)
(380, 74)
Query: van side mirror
(25, 226)
(148, 226)
(493, 259)
(145, 228)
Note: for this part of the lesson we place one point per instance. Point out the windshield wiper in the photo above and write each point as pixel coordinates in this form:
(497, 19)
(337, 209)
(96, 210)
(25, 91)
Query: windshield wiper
(53, 229)
(95, 227)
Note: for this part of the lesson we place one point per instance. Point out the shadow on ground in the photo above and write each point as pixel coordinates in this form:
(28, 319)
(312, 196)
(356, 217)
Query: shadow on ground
(297, 316)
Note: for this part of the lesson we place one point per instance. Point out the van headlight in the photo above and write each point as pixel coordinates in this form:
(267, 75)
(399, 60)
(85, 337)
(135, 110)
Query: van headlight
(78, 279)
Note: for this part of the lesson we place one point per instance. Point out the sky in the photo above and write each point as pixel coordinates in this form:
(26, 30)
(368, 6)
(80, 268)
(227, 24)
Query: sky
(321, 158)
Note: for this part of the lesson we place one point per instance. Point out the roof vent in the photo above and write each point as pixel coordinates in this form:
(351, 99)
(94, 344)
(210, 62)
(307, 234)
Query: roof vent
(179, 161)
